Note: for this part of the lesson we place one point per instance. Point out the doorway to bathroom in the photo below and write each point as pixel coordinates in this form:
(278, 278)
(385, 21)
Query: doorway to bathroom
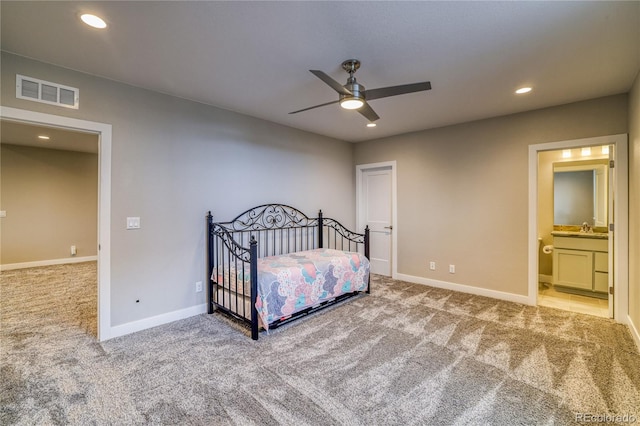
(573, 257)
(578, 258)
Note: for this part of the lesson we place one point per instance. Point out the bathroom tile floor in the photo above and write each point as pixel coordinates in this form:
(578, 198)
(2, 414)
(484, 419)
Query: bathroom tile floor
(548, 296)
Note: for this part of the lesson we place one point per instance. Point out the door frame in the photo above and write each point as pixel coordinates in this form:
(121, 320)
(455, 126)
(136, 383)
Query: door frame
(360, 169)
(620, 217)
(103, 131)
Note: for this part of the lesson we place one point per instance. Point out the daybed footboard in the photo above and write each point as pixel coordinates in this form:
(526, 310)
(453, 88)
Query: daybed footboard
(236, 248)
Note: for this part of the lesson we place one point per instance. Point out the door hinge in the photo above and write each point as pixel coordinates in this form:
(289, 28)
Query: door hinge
(610, 290)
(612, 164)
(611, 227)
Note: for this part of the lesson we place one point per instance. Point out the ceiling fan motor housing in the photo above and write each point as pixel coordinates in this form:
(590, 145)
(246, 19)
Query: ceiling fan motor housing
(357, 91)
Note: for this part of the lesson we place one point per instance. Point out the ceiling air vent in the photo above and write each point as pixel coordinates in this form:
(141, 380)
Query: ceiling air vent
(46, 92)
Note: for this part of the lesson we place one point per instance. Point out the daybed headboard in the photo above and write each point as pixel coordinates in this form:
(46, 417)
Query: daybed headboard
(281, 229)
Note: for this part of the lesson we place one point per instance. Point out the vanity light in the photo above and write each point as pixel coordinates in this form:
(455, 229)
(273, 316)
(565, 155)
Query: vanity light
(586, 151)
(566, 153)
(605, 149)
(46, 138)
(523, 90)
(93, 21)
(371, 124)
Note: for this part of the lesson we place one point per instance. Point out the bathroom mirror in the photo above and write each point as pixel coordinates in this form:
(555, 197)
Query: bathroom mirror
(580, 193)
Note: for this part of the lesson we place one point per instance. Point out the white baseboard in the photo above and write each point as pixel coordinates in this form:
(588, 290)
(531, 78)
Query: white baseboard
(143, 324)
(495, 294)
(634, 332)
(542, 278)
(50, 262)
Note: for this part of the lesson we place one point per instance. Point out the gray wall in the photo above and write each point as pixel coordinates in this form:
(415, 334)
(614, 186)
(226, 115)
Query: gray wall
(634, 204)
(51, 200)
(172, 161)
(463, 189)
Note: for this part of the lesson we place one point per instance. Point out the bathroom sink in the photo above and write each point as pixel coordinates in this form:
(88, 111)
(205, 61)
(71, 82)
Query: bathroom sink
(601, 235)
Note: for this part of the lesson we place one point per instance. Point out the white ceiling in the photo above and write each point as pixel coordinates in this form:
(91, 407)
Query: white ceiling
(255, 57)
(14, 133)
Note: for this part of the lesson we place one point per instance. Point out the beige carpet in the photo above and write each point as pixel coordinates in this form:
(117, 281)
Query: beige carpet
(406, 354)
(54, 296)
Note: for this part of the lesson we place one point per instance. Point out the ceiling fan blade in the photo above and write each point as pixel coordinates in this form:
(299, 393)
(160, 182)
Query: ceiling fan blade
(368, 112)
(316, 106)
(385, 92)
(331, 82)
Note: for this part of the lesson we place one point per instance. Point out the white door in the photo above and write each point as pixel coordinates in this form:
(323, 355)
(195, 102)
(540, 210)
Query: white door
(376, 211)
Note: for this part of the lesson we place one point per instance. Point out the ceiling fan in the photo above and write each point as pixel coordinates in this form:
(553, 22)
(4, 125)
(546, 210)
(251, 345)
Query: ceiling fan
(354, 96)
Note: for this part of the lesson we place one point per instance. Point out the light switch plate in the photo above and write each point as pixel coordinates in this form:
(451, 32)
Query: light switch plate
(133, 223)
(3, 213)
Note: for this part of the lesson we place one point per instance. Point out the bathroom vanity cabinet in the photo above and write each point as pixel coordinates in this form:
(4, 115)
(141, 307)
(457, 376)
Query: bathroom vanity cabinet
(581, 264)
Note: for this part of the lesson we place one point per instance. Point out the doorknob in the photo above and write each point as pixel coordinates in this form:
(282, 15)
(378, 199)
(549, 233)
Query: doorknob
(388, 227)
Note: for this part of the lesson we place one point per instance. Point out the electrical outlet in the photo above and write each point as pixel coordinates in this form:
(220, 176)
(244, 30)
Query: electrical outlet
(452, 269)
(432, 266)
(198, 286)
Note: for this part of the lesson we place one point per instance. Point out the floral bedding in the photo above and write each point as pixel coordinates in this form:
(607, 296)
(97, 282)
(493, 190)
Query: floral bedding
(290, 283)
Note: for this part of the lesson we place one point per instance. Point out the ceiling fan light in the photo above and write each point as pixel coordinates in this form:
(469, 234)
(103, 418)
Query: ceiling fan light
(351, 103)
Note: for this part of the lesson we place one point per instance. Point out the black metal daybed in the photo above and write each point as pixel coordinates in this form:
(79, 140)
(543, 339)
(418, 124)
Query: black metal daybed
(272, 264)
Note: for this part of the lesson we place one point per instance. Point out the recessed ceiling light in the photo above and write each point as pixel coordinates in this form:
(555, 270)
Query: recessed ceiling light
(46, 138)
(523, 90)
(371, 124)
(93, 21)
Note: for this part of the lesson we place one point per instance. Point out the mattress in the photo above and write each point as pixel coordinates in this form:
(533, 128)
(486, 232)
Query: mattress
(290, 283)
